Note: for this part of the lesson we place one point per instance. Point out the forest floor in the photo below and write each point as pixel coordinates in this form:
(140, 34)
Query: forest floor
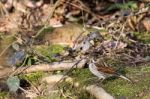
(43, 45)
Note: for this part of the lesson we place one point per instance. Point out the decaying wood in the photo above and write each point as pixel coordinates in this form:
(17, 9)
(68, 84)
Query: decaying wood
(53, 79)
(65, 35)
(98, 92)
(43, 67)
(51, 67)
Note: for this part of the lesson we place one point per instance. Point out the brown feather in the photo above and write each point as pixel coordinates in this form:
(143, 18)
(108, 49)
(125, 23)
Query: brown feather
(101, 66)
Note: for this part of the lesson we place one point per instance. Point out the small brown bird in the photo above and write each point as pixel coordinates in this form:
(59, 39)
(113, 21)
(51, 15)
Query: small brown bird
(102, 71)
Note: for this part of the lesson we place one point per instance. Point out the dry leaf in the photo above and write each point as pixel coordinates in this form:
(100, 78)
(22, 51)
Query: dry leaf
(146, 23)
(114, 45)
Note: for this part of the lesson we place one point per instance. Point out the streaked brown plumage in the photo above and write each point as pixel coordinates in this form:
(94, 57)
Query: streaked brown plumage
(103, 71)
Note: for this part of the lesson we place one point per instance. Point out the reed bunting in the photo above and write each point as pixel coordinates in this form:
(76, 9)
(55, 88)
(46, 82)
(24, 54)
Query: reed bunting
(102, 71)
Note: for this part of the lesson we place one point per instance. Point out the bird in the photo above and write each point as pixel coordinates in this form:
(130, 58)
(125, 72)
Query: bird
(103, 71)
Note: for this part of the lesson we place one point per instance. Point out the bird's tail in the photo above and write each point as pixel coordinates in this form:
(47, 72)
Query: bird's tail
(121, 76)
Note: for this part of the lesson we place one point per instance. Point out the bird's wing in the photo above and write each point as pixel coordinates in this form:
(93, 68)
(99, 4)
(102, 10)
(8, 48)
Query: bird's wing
(105, 69)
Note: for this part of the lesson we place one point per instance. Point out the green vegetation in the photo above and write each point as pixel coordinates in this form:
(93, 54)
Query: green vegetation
(124, 6)
(4, 95)
(49, 51)
(117, 87)
(43, 31)
(33, 77)
(144, 36)
(83, 77)
(23, 32)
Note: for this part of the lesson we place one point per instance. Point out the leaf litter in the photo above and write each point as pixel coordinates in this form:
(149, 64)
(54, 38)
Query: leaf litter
(119, 19)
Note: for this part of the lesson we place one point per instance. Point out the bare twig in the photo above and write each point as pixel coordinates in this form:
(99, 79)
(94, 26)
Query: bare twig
(52, 11)
(5, 50)
(47, 20)
(51, 67)
(86, 10)
(121, 32)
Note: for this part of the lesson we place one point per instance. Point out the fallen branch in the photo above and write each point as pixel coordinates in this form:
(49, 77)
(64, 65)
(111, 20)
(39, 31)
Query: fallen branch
(50, 67)
(53, 79)
(98, 92)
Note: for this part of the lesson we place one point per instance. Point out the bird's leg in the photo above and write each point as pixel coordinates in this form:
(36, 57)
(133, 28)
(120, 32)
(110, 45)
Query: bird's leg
(100, 80)
(89, 79)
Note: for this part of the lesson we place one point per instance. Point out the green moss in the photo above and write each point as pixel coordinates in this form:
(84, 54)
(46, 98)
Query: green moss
(52, 96)
(56, 48)
(117, 87)
(123, 6)
(43, 31)
(49, 51)
(120, 87)
(84, 78)
(33, 77)
(4, 95)
(81, 74)
(75, 88)
(76, 92)
(144, 36)
(145, 69)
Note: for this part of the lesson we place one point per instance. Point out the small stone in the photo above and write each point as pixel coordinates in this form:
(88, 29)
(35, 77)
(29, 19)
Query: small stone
(76, 84)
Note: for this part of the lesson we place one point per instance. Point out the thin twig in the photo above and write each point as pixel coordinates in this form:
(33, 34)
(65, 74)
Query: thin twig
(86, 10)
(52, 11)
(121, 32)
(19, 67)
(47, 20)
(75, 42)
(25, 91)
(5, 50)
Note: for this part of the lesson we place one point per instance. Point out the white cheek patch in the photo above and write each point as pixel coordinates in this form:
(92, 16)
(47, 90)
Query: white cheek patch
(94, 71)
